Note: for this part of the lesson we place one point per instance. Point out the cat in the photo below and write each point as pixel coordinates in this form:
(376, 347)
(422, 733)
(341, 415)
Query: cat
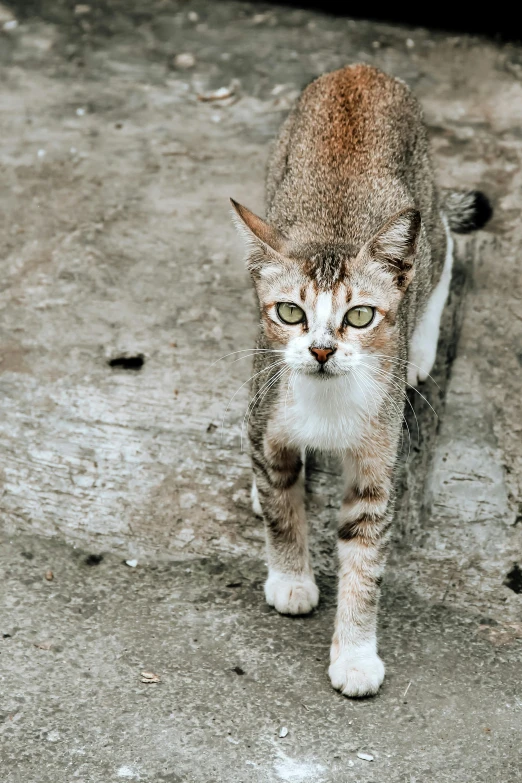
(352, 268)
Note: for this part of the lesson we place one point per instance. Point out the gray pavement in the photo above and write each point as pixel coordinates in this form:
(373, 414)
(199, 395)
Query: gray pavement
(118, 247)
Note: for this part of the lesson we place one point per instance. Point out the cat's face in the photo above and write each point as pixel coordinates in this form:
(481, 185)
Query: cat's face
(326, 331)
(330, 308)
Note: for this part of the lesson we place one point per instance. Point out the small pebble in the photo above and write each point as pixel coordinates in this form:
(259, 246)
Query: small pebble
(49, 575)
(12, 24)
(193, 16)
(131, 563)
(410, 43)
(283, 731)
(365, 756)
(80, 111)
(41, 153)
(184, 60)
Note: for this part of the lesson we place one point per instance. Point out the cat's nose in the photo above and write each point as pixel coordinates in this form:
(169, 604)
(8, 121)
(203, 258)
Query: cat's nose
(322, 354)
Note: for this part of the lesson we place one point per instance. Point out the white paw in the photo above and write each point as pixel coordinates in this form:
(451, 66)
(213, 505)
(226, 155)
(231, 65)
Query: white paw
(291, 594)
(419, 372)
(357, 673)
(254, 496)
(423, 352)
(412, 376)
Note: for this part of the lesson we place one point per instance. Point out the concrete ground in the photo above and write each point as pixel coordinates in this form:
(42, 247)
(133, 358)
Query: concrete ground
(122, 284)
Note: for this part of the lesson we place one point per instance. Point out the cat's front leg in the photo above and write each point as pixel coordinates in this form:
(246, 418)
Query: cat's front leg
(364, 524)
(278, 472)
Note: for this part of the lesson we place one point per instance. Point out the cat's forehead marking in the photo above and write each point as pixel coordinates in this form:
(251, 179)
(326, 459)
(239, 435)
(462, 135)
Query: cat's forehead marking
(324, 265)
(325, 269)
(324, 307)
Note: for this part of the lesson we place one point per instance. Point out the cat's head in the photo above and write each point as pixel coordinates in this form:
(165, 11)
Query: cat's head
(328, 305)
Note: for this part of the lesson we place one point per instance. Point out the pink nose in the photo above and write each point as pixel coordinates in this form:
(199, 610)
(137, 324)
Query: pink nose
(322, 354)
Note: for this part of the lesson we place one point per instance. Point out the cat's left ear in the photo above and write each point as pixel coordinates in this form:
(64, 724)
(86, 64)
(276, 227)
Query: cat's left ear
(264, 242)
(395, 245)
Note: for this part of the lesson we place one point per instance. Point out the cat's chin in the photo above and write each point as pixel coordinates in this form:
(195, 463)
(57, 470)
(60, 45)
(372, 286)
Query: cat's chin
(324, 374)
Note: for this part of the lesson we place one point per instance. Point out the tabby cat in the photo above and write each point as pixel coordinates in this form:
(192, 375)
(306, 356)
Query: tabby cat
(352, 268)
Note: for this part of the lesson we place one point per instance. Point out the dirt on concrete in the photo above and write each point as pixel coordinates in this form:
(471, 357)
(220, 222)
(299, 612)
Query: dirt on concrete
(121, 433)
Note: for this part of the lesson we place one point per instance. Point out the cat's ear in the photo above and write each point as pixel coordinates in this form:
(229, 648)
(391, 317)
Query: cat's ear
(265, 243)
(395, 244)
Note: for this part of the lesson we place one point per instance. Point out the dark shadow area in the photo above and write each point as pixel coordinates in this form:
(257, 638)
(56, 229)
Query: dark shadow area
(105, 15)
(500, 23)
(513, 579)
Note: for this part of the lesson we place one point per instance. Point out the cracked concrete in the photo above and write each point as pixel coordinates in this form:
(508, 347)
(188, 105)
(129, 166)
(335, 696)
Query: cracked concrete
(117, 242)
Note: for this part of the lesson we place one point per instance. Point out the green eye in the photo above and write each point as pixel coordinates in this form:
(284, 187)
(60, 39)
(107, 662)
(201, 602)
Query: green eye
(290, 313)
(360, 316)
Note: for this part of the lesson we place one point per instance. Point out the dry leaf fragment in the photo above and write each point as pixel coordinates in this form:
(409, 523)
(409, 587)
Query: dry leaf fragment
(149, 677)
(49, 575)
(43, 645)
(217, 95)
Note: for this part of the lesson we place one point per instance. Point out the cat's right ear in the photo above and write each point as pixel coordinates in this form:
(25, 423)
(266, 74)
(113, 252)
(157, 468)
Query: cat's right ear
(265, 243)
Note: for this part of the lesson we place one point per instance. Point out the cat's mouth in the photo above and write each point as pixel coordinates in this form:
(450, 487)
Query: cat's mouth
(324, 371)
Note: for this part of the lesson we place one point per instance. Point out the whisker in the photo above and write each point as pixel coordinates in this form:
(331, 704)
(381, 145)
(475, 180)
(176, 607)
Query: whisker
(387, 375)
(403, 394)
(245, 350)
(265, 369)
(403, 361)
(258, 399)
(409, 384)
(288, 389)
(394, 406)
(265, 387)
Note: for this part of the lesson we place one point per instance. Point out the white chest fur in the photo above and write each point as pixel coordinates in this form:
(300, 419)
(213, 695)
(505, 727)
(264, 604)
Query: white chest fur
(330, 415)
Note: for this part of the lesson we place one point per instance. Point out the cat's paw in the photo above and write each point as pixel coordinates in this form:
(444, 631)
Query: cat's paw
(418, 373)
(423, 352)
(357, 673)
(291, 594)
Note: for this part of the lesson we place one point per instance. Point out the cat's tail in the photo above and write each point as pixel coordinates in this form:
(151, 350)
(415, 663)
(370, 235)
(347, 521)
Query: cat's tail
(466, 210)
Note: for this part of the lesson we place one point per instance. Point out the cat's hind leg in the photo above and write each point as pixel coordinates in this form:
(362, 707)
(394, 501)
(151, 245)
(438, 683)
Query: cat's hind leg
(423, 345)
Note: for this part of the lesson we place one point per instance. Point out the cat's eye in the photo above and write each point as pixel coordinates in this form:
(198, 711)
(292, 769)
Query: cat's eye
(360, 316)
(290, 313)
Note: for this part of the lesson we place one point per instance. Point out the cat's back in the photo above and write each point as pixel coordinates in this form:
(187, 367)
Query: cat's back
(357, 118)
(355, 140)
